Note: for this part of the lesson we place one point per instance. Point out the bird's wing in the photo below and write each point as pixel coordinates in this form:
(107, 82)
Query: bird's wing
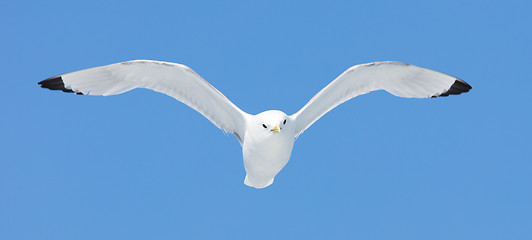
(399, 79)
(175, 80)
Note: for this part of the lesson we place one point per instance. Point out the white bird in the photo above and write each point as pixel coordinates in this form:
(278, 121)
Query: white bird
(268, 137)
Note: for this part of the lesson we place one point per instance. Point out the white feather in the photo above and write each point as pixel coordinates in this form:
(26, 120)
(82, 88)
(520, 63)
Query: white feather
(175, 80)
(399, 79)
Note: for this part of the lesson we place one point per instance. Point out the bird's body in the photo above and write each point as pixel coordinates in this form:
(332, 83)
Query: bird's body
(267, 138)
(266, 152)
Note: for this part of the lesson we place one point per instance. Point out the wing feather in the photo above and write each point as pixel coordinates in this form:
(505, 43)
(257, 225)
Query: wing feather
(175, 80)
(399, 79)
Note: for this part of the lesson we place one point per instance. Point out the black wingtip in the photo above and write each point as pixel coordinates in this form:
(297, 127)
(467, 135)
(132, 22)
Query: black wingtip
(458, 87)
(56, 83)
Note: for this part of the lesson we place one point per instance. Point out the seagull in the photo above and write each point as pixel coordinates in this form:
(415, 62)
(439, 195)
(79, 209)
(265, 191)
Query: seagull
(268, 137)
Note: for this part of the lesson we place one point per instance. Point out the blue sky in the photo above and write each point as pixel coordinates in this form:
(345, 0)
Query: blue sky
(143, 166)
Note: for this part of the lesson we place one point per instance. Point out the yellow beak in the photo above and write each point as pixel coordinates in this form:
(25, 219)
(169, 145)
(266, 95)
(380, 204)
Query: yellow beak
(276, 129)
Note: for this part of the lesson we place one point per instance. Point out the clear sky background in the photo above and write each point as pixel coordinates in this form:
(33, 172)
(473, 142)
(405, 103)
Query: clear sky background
(143, 166)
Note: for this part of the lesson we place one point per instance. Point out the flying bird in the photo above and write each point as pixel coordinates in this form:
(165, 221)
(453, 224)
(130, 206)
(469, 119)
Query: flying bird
(268, 137)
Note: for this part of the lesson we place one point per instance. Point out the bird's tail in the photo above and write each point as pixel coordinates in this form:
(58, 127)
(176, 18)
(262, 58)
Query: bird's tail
(257, 184)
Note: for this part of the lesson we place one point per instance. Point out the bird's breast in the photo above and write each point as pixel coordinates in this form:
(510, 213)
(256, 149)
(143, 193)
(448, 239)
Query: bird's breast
(264, 158)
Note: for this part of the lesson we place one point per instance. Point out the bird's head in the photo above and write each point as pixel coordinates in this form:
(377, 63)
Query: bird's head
(273, 122)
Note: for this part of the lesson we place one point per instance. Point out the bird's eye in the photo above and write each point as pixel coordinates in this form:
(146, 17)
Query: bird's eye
(284, 121)
(264, 125)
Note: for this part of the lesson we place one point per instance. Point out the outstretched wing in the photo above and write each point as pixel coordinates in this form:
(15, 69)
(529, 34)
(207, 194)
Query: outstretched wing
(175, 80)
(399, 79)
